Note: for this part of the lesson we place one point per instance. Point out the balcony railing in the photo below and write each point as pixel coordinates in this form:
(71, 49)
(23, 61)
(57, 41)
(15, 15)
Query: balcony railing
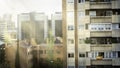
(102, 62)
(101, 34)
(100, 5)
(101, 19)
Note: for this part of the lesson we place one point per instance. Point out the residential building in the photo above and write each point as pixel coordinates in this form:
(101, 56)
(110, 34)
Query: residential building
(32, 26)
(91, 33)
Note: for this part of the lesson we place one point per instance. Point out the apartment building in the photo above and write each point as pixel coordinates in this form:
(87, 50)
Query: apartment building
(91, 33)
(32, 26)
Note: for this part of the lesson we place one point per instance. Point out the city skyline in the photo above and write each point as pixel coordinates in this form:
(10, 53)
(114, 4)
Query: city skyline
(22, 6)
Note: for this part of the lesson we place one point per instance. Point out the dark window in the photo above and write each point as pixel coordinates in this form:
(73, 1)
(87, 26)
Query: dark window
(118, 54)
(70, 27)
(81, 55)
(107, 0)
(81, 1)
(116, 40)
(119, 26)
(101, 54)
(70, 41)
(86, 26)
(71, 55)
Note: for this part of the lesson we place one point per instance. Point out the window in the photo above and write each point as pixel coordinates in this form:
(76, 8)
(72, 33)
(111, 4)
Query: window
(70, 41)
(107, 0)
(108, 55)
(108, 13)
(119, 26)
(70, 1)
(70, 27)
(86, 26)
(94, 55)
(115, 39)
(107, 26)
(70, 55)
(81, 55)
(100, 27)
(92, 13)
(115, 26)
(101, 54)
(118, 54)
(114, 54)
(81, 1)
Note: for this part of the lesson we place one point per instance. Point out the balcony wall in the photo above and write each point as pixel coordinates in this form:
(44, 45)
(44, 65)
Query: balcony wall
(100, 5)
(116, 33)
(101, 34)
(116, 47)
(101, 19)
(116, 61)
(101, 47)
(101, 62)
(116, 4)
(83, 33)
(115, 18)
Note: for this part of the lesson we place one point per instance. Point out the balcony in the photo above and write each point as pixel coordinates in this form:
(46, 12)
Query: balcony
(116, 4)
(100, 5)
(116, 33)
(115, 18)
(101, 19)
(101, 34)
(101, 62)
(116, 47)
(101, 47)
(116, 61)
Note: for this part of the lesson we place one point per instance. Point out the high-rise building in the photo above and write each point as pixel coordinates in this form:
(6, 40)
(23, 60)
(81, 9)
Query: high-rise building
(32, 26)
(91, 33)
(8, 31)
(56, 26)
(56, 23)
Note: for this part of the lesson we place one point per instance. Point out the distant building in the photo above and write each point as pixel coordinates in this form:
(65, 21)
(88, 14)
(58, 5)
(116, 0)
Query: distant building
(56, 27)
(7, 29)
(56, 24)
(32, 26)
(37, 56)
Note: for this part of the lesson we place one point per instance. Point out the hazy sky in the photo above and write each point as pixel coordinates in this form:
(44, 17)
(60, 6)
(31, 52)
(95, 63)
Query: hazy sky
(22, 6)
